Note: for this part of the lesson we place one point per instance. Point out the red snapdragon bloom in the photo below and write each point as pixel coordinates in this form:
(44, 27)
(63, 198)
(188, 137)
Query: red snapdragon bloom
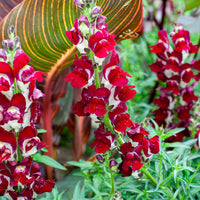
(25, 194)
(4, 179)
(12, 112)
(113, 73)
(131, 159)
(24, 72)
(20, 171)
(93, 101)
(103, 140)
(41, 185)
(163, 43)
(29, 142)
(82, 72)
(74, 35)
(124, 93)
(6, 76)
(8, 145)
(176, 74)
(101, 43)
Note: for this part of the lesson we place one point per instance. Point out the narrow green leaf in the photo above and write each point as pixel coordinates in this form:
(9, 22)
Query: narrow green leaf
(82, 164)
(97, 180)
(190, 4)
(171, 133)
(47, 160)
(176, 193)
(41, 131)
(156, 125)
(44, 150)
(175, 144)
(186, 168)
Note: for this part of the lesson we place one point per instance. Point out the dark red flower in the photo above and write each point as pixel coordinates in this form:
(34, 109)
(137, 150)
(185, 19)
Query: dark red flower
(6, 76)
(113, 73)
(75, 35)
(174, 61)
(20, 172)
(163, 43)
(103, 140)
(181, 40)
(131, 159)
(93, 101)
(29, 142)
(121, 122)
(154, 144)
(25, 194)
(162, 102)
(184, 112)
(173, 86)
(124, 93)
(41, 185)
(102, 43)
(157, 66)
(19, 62)
(82, 72)
(8, 145)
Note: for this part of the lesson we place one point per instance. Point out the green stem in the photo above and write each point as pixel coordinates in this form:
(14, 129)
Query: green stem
(192, 178)
(19, 156)
(148, 175)
(167, 178)
(96, 76)
(109, 125)
(194, 173)
(112, 181)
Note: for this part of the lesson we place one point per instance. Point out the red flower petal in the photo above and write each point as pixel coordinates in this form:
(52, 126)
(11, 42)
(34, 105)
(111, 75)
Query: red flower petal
(19, 62)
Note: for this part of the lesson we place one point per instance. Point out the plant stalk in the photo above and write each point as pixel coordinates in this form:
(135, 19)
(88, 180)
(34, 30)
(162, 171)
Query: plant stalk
(148, 175)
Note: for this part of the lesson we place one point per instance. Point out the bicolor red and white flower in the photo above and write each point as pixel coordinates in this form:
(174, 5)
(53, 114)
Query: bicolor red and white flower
(177, 97)
(105, 92)
(19, 113)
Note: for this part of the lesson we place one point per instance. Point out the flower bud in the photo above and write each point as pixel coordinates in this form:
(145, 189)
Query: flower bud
(3, 54)
(113, 165)
(5, 44)
(11, 30)
(78, 2)
(10, 46)
(96, 11)
(100, 21)
(100, 158)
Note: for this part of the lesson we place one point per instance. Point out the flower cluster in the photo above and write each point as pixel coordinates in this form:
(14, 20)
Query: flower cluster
(177, 96)
(105, 91)
(19, 113)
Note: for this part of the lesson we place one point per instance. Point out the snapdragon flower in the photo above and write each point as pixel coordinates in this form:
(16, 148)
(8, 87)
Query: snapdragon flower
(105, 91)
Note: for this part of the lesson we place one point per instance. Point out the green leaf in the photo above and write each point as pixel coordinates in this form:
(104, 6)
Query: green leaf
(41, 131)
(97, 180)
(44, 150)
(186, 168)
(156, 125)
(190, 4)
(171, 133)
(79, 191)
(82, 164)
(175, 144)
(47, 160)
(41, 26)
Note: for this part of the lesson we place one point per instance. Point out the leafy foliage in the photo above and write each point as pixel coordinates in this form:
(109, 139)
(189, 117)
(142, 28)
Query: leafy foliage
(176, 173)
